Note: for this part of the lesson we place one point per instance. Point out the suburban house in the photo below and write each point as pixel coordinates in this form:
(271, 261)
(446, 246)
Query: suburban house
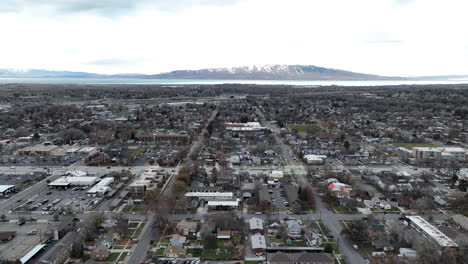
(106, 241)
(223, 234)
(185, 227)
(178, 240)
(256, 225)
(174, 252)
(294, 229)
(258, 244)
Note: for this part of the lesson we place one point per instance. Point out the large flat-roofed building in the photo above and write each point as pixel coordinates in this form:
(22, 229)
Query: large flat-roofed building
(101, 187)
(5, 189)
(245, 128)
(69, 181)
(422, 226)
(422, 153)
(210, 194)
(40, 149)
(453, 153)
(147, 179)
(159, 137)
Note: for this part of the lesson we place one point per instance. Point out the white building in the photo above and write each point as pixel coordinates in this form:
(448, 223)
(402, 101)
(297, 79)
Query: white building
(101, 187)
(422, 153)
(68, 181)
(258, 243)
(422, 226)
(314, 159)
(276, 174)
(256, 224)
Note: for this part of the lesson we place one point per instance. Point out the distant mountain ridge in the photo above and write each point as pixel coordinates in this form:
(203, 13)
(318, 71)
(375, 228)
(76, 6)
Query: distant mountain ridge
(255, 72)
(269, 72)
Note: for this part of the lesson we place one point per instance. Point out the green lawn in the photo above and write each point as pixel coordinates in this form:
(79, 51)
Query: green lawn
(160, 251)
(297, 243)
(306, 128)
(219, 253)
(323, 228)
(275, 240)
(113, 256)
(194, 253)
(410, 145)
(253, 262)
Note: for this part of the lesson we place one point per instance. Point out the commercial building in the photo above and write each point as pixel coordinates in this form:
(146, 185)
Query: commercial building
(40, 149)
(148, 178)
(70, 181)
(249, 128)
(314, 159)
(209, 194)
(425, 153)
(160, 137)
(101, 187)
(430, 231)
(5, 189)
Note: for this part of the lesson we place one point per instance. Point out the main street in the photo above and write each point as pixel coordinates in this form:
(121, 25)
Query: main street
(138, 254)
(330, 220)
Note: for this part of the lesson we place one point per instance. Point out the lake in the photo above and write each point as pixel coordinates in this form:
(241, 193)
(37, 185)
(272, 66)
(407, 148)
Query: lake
(260, 82)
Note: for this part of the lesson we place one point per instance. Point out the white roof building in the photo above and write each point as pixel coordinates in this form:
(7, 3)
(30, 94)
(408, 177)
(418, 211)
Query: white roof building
(276, 174)
(256, 223)
(258, 241)
(101, 187)
(4, 188)
(74, 181)
(77, 173)
(199, 194)
(424, 227)
(224, 203)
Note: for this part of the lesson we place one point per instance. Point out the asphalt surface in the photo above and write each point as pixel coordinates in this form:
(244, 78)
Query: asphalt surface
(139, 251)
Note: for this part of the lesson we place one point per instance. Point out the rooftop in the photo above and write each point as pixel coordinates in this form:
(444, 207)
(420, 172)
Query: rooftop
(432, 231)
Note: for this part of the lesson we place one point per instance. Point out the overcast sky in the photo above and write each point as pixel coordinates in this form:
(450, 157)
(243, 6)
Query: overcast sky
(386, 37)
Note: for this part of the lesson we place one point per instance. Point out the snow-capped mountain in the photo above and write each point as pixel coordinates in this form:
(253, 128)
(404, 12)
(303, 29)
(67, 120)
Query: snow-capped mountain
(254, 72)
(268, 72)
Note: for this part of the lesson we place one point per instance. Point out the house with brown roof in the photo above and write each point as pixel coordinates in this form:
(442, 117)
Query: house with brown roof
(223, 234)
(174, 252)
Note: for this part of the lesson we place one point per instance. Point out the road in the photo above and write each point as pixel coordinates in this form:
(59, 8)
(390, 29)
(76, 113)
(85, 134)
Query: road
(330, 220)
(139, 251)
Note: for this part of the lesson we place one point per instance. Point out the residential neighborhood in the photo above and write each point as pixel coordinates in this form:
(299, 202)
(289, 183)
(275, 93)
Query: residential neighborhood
(233, 174)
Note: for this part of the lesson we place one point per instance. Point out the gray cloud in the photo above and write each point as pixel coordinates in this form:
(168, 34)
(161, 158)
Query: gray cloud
(106, 8)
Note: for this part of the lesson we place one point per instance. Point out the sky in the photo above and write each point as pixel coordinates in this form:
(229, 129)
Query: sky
(384, 37)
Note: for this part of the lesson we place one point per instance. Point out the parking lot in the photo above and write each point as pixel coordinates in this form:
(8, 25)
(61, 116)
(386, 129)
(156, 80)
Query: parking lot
(51, 200)
(24, 239)
(278, 198)
(35, 160)
(19, 180)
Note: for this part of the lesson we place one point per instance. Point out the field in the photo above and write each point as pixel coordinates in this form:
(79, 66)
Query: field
(305, 128)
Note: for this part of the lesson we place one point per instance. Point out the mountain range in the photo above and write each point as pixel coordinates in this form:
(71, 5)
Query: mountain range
(257, 72)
